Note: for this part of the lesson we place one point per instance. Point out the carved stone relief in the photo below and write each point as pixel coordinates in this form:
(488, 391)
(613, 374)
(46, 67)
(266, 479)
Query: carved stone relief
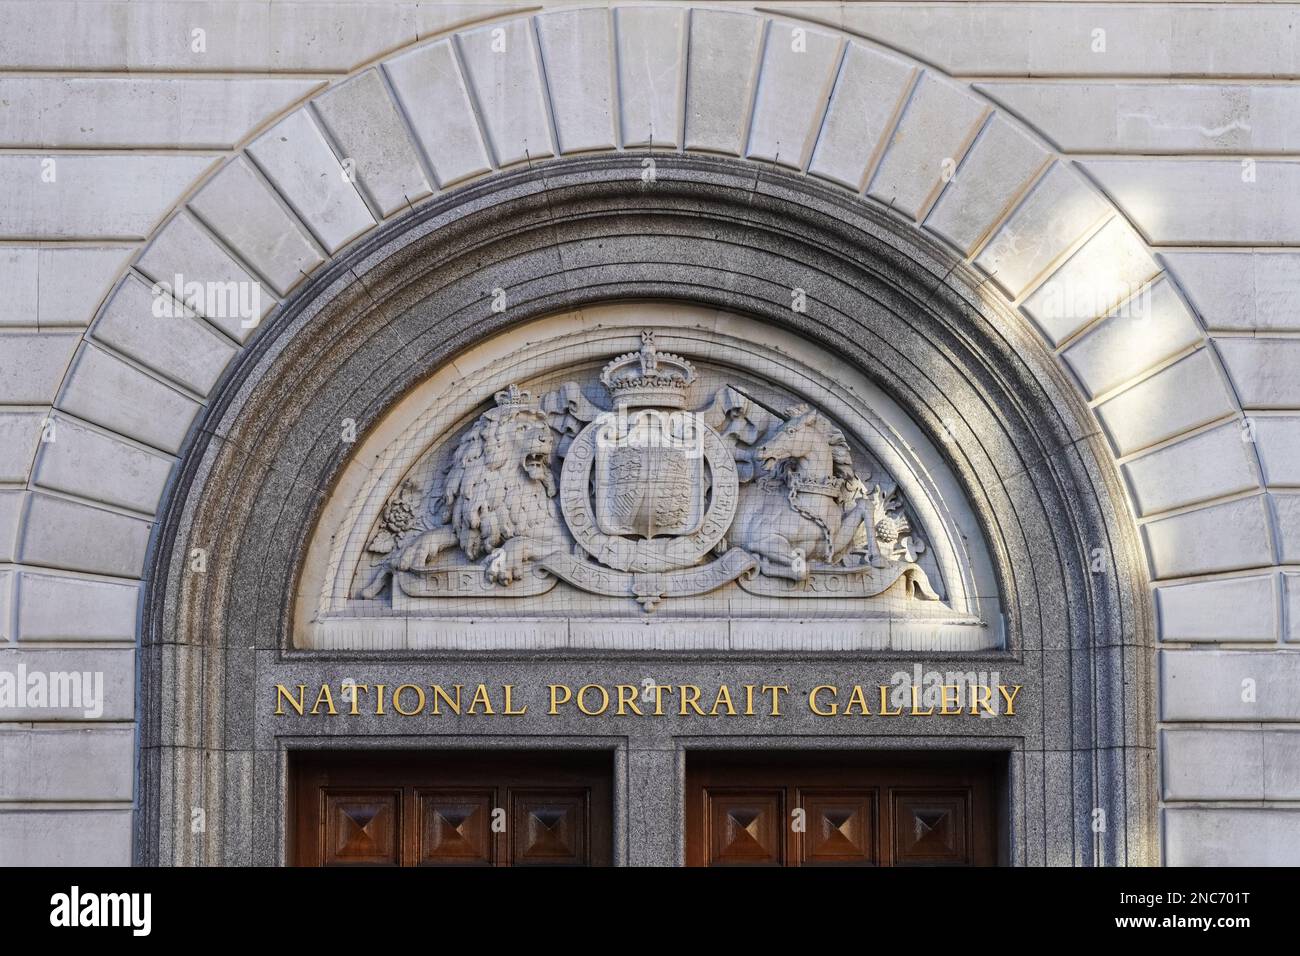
(670, 490)
(654, 499)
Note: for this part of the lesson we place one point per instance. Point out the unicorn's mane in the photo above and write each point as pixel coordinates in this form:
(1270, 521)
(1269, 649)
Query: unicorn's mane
(841, 456)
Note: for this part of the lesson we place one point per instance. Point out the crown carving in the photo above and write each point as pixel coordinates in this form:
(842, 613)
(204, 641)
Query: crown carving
(515, 397)
(648, 377)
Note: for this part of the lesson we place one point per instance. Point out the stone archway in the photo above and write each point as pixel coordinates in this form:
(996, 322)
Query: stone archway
(1053, 255)
(377, 321)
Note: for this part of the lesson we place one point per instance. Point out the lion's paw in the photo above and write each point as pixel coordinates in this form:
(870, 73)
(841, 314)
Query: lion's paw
(495, 567)
(504, 566)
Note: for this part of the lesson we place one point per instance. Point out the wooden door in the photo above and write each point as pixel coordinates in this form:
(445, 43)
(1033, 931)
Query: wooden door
(417, 808)
(840, 809)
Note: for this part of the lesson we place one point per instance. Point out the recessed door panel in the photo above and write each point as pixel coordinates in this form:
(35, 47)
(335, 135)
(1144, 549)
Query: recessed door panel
(840, 809)
(839, 827)
(930, 827)
(362, 827)
(456, 827)
(550, 828)
(745, 827)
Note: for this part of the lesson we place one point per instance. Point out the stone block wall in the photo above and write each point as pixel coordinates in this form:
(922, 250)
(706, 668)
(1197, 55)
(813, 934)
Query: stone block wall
(1125, 175)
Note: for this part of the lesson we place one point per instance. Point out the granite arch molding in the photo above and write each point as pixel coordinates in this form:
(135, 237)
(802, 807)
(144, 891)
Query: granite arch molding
(362, 333)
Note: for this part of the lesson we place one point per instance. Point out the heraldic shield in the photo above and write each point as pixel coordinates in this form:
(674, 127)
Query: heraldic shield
(649, 474)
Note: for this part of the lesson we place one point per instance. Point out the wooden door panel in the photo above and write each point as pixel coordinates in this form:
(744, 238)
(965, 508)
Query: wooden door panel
(362, 828)
(450, 809)
(839, 827)
(930, 828)
(550, 828)
(456, 827)
(840, 809)
(745, 827)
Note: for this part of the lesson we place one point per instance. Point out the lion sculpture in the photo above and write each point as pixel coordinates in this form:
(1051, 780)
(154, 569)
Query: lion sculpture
(498, 500)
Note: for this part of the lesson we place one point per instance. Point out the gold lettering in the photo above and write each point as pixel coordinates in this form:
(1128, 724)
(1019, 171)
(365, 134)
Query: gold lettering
(659, 698)
(555, 700)
(326, 696)
(379, 699)
(582, 698)
(978, 700)
(419, 697)
(509, 711)
(356, 698)
(724, 695)
(690, 698)
(481, 696)
(627, 695)
(1010, 698)
(858, 698)
(884, 703)
(281, 695)
(440, 694)
(916, 704)
(812, 700)
(777, 690)
(749, 700)
(943, 699)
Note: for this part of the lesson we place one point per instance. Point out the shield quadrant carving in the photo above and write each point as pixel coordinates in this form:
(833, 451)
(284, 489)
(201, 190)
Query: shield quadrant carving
(649, 477)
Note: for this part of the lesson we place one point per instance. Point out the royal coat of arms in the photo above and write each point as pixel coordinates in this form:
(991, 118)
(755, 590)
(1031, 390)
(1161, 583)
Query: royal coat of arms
(654, 499)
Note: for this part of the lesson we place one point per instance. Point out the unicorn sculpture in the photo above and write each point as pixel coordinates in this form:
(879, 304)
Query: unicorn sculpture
(809, 507)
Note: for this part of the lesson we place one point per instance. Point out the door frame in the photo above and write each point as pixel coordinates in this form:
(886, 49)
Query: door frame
(629, 803)
(355, 769)
(796, 767)
(615, 747)
(1007, 779)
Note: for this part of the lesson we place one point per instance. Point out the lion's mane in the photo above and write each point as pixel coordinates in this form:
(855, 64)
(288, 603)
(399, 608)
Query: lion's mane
(489, 498)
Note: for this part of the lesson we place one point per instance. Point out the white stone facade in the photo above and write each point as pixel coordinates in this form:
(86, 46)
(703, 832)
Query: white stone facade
(1127, 177)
